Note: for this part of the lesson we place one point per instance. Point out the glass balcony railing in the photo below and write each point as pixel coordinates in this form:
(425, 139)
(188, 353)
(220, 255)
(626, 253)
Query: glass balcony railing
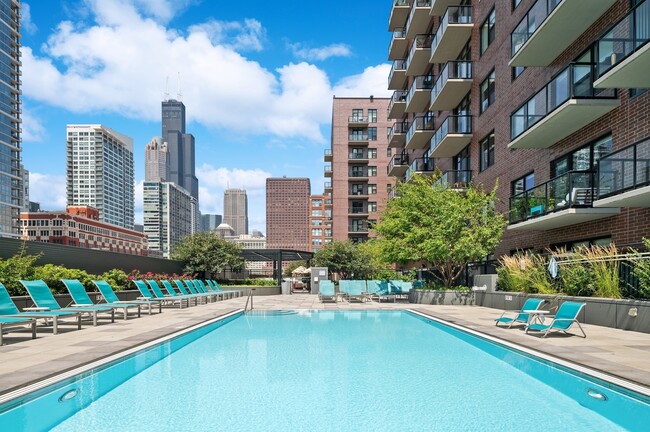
(421, 41)
(453, 124)
(417, 4)
(422, 123)
(576, 81)
(358, 136)
(625, 169)
(452, 70)
(422, 82)
(398, 160)
(327, 185)
(456, 179)
(454, 15)
(400, 127)
(530, 23)
(328, 152)
(399, 96)
(398, 65)
(358, 155)
(626, 37)
(420, 166)
(328, 169)
(570, 190)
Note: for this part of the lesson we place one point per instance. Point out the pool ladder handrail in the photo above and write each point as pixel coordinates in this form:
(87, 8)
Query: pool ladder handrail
(250, 297)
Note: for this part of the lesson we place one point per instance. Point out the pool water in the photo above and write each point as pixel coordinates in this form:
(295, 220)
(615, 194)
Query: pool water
(338, 371)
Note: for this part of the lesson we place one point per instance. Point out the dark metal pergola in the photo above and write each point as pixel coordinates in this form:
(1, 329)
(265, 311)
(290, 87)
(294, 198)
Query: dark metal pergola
(277, 256)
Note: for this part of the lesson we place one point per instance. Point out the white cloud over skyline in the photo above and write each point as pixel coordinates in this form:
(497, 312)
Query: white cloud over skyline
(321, 53)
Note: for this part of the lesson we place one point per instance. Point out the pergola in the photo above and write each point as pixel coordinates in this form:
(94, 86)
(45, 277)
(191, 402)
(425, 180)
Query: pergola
(277, 256)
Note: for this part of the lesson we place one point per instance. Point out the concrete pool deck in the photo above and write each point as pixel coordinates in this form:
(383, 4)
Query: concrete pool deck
(24, 361)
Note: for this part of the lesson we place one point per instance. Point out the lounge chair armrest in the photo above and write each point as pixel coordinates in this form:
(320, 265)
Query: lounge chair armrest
(75, 305)
(36, 309)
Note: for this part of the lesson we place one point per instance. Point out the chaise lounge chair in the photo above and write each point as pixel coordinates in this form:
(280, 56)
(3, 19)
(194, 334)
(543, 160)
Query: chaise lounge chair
(7, 322)
(232, 293)
(564, 318)
(520, 317)
(158, 294)
(45, 301)
(353, 289)
(81, 298)
(8, 308)
(172, 292)
(109, 295)
(326, 291)
(378, 290)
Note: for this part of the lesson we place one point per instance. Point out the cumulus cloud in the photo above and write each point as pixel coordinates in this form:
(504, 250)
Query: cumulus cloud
(26, 22)
(321, 53)
(372, 81)
(110, 11)
(48, 190)
(33, 129)
(247, 35)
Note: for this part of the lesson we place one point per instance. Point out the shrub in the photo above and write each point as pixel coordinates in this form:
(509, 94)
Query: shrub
(52, 274)
(524, 273)
(604, 269)
(577, 280)
(117, 278)
(642, 271)
(19, 266)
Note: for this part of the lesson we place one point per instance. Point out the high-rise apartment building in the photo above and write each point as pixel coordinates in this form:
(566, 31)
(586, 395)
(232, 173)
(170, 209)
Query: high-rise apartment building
(167, 215)
(506, 91)
(24, 174)
(358, 158)
(11, 199)
(180, 146)
(156, 161)
(320, 222)
(100, 172)
(287, 213)
(235, 210)
(210, 222)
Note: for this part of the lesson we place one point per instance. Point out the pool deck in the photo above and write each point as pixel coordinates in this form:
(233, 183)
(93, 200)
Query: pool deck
(24, 361)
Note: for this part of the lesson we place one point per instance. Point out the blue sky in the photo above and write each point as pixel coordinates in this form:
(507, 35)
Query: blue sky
(257, 79)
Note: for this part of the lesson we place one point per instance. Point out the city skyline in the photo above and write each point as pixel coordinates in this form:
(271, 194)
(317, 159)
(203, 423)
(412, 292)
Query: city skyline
(253, 60)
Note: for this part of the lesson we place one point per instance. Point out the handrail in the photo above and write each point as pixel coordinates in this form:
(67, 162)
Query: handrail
(624, 169)
(527, 27)
(250, 297)
(458, 15)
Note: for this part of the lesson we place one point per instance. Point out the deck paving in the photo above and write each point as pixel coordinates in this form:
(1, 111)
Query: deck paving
(24, 361)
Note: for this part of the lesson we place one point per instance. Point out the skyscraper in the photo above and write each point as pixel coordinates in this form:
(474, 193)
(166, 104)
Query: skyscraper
(156, 165)
(180, 146)
(210, 222)
(167, 215)
(287, 214)
(100, 172)
(235, 210)
(10, 143)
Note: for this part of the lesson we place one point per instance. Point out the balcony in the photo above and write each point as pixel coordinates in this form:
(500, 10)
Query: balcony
(418, 20)
(397, 104)
(418, 96)
(327, 186)
(568, 103)
(358, 193)
(392, 194)
(398, 14)
(453, 83)
(563, 201)
(359, 228)
(397, 75)
(397, 134)
(360, 137)
(439, 7)
(328, 171)
(550, 27)
(624, 52)
(358, 157)
(328, 155)
(398, 165)
(422, 166)
(358, 211)
(420, 132)
(358, 121)
(456, 180)
(418, 58)
(358, 173)
(453, 135)
(624, 177)
(453, 33)
(398, 45)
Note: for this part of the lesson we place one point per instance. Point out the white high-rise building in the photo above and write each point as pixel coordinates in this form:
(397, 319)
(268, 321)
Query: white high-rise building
(100, 172)
(156, 161)
(168, 215)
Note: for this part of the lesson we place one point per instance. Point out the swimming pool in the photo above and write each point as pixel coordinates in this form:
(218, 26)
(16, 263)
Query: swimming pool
(329, 370)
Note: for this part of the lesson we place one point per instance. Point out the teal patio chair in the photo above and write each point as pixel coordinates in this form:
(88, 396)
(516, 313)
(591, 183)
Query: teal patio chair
(404, 289)
(157, 292)
(9, 322)
(109, 295)
(203, 290)
(232, 293)
(8, 308)
(520, 317)
(378, 290)
(172, 292)
(210, 287)
(45, 301)
(81, 298)
(326, 291)
(564, 318)
(353, 289)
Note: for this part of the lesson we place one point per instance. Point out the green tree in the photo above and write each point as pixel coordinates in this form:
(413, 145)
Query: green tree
(52, 274)
(345, 259)
(19, 266)
(380, 269)
(439, 226)
(206, 252)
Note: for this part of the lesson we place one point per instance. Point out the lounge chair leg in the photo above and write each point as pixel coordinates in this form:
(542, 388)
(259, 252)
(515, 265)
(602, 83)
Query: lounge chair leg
(125, 314)
(94, 318)
(159, 307)
(1, 336)
(33, 329)
(139, 307)
(55, 324)
(113, 315)
(584, 335)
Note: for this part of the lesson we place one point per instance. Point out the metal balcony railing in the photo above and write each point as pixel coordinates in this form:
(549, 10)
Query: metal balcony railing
(421, 123)
(453, 124)
(530, 23)
(451, 70)
(398, 160)
(625, 169)
(456, 178)
(421, 41)
(398, 65)
(420, 165)
(454, 15)
(358, 119)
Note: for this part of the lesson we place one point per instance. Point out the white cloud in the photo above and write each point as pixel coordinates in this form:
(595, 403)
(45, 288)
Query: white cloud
(33, 129)
(321, 53)
(248, 35)
(372, 81)
(26, 22)
(114, 11)
(48, 190)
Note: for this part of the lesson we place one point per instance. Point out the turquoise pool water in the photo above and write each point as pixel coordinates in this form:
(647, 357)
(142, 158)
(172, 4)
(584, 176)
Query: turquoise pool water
(330, 371)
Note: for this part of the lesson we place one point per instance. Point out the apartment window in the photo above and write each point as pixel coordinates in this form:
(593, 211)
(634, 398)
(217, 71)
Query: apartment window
(357, 189)
(316, 232)
(372, 206)
(372, 134)
(487, 31)
(583, 159)
(487, 91)
(487, 152)
(372, 153)
(316, 213)
(357, 114)
(317, 242)
(328, 232)
(317, 203)
(372, 189)
(389, 151)
(357, 207)
(317, 222)
(523, 184)
(372, 171)
(372, 115)
(516, 71)
(515, 3)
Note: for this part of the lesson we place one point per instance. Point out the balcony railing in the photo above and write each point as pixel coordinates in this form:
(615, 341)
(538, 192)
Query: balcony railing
(358, 173)
(454, 15)
(358, 192)
(576, 81)
(328, 169)
(452, 70)
(358, 136)
(398, 65)
(327, 185)
(625, 38)
(358, 119)
(399, 96)
(421, 41)
(570, 190)
(400, 127)
(530, 23)
(397, 160)
(453, 124)
(422, 123)
(414, 5)
(458, 179)
(397, 45)
(358, 155)
(625, 169)
(358, 210)
(422, 82)
(421, 165)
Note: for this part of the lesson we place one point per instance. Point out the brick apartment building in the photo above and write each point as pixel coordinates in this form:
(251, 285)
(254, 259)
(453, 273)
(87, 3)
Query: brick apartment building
(287, 213)
(547, 97)
(358, 159)
(320, 221)
(79, 226)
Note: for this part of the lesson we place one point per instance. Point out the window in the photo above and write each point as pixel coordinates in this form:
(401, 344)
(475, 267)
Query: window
(515, 3)
(516, 71)
(317, 203)
(389, 151)
(317, 222)
(372, 115)
(372, 189)
(583, 159)
(487, 152)
(372, 153)
(317, 242)
(372, 206)
(357, 207)
(316, 232)
(316, 213)
(372, 171)
(487, 31)
(328, 232)
(357, 114)
(357, 189)
(372, 134)
(487, 91)
(523, 184)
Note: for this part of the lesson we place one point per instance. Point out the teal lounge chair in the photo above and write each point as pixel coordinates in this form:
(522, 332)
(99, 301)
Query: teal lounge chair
(8, 308)
(404, 289)
(45, 301)
(231, 293)
(81, 298)
(378, 290)
(326, 291)
(520, 317)
(170, 289)
(353, 289)
(157, 293)
(201, 289)
(7, 322)
(209, 289)
(564, 318)
(213, 289)
(109, 295)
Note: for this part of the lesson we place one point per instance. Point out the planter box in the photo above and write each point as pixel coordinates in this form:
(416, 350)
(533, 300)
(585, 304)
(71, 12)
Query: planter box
(439, 297)
(259, 290)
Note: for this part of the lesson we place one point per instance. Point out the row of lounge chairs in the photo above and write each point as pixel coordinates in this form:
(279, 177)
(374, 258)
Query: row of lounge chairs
(151, 296)
(363, 290)
(563, 320)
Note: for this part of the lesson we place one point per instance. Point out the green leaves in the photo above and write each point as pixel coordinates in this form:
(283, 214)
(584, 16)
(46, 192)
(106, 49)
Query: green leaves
(205, 252)
(346, 259)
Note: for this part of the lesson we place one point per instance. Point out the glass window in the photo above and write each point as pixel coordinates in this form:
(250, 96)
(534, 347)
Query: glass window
(316, 213)
(316, 232)
(515, 3)
(317, 203)
(372, 115)
(357, 114)
(389, 151)
(372, 206)
(372, 153)
(317, 222)
(328, 232)
(487, 91)
(372, 134)
(372, 171)
(523, 183)
(516, 71)
(487, 31)
(583, 159)
(487, 152)
(372, 189)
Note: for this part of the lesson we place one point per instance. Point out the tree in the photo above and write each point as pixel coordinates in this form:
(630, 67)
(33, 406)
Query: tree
(439, 226)
(292, 266)
(206, 252)
(345, 259)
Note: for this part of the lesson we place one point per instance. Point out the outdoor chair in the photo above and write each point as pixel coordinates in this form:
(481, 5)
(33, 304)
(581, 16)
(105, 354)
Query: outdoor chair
(157, 293)
(353, 289)
(9, 322)
(326, 291)
(520, 316)
(81, 298)
(378, 289)
(172, 292)
(233, 293)
(565, 317)
(109, 295)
